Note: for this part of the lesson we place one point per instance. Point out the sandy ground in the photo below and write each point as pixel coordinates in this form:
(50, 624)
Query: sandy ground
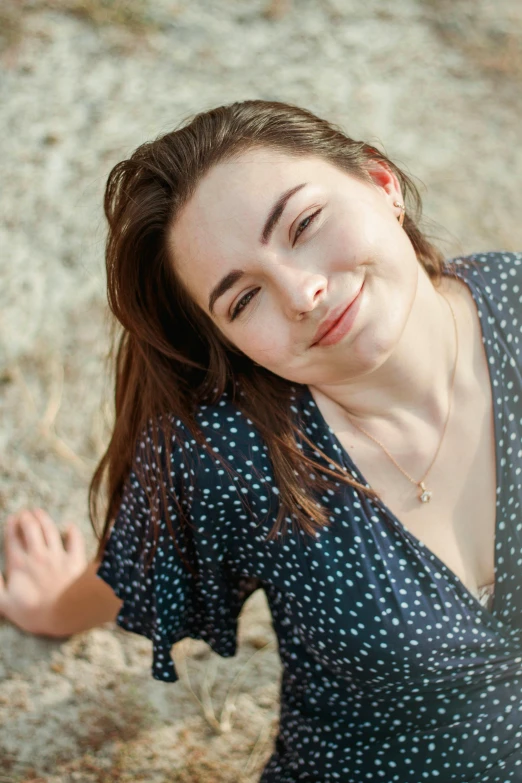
(82, 82)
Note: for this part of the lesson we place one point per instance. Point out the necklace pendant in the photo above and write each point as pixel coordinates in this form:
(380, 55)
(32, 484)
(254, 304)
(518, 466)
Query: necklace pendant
(425, 495)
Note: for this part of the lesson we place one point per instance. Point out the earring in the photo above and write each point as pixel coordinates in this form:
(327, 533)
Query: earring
(403, 211)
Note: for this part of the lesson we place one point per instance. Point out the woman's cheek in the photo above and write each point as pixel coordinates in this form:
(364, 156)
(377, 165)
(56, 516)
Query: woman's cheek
(266, 345)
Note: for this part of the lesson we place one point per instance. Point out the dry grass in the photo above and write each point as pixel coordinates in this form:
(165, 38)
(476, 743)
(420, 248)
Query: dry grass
(277, 9)
(111, 722)
(11, 26)
(43, 423)
(198, 769)
(220, 722)
(133, 17)
(490, 39)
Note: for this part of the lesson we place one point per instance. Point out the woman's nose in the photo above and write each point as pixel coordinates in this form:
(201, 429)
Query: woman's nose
(301, 291)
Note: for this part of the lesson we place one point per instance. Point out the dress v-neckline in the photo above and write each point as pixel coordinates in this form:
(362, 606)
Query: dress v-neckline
(496, 396)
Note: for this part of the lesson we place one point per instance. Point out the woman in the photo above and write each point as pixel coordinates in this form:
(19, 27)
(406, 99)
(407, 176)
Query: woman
(308, 399)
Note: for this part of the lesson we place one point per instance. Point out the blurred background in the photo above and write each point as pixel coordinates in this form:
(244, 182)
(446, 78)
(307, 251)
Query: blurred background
(436, 83)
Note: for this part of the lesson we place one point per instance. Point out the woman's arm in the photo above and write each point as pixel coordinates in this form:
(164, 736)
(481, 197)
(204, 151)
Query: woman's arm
(49, 588)
(86, 603)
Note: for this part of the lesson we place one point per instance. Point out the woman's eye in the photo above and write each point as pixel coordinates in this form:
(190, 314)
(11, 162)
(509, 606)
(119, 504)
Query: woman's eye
(243, 302)
(303, 225)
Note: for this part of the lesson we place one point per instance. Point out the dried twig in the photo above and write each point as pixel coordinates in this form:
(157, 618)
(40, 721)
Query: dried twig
(263, 740)
(206, 698)
(224, 724)
(229, 704)
(46, 425)
(206, 709)
(18, 376)
(54, 403)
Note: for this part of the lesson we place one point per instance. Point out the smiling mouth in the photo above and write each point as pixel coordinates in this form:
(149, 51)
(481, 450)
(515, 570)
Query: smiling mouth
(332, 326)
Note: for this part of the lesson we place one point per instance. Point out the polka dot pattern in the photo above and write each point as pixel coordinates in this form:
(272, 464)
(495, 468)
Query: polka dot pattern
(392, 670)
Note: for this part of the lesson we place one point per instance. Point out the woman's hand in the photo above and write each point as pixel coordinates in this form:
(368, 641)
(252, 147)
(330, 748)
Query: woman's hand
(39, 568)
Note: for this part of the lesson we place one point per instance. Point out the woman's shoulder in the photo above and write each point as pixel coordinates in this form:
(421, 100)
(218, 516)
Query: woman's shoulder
(220, 444)
(497, 273)
(495, 280)
(222, 424)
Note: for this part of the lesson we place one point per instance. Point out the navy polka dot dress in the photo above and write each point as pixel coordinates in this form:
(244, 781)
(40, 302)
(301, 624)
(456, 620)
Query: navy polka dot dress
(392, 670)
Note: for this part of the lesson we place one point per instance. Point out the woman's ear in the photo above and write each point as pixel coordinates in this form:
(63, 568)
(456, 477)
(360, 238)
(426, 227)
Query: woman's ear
(385, 179)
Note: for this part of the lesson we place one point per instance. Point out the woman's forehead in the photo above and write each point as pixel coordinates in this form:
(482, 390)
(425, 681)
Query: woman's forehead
(234, 197)
(221, 224)
(229, 205)
(251, 180)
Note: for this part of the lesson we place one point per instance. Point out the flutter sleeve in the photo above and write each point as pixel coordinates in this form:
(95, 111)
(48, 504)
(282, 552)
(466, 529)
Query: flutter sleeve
(190, 588)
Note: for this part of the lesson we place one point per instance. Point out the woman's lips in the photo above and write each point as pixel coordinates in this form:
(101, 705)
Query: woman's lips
(342, 324)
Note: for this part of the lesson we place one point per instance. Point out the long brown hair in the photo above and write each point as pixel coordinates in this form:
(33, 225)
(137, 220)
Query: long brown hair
(170, 357)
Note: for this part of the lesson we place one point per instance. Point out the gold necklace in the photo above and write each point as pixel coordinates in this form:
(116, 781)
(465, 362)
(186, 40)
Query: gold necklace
(424, 494)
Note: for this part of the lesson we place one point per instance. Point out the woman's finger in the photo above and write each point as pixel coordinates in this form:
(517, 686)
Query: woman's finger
(50, 530)
(3, 596)
(33, 537)
(74, 541)
(14, 547)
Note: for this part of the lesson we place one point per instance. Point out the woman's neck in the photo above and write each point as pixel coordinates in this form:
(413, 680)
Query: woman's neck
(413, 383)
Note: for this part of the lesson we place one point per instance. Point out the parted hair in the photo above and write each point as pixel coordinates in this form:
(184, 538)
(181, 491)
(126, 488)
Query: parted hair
(169, 358)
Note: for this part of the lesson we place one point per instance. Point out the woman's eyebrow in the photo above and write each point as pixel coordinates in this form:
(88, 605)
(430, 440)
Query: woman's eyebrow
(231, 278)
(222, 287)
(276, 212)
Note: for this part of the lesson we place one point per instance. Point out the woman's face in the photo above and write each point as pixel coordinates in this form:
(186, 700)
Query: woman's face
(274, 249)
